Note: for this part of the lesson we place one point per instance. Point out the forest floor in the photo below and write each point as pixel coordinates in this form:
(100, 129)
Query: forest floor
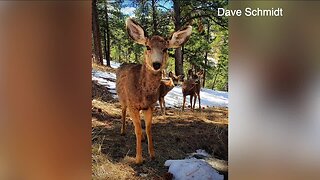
(175, 137)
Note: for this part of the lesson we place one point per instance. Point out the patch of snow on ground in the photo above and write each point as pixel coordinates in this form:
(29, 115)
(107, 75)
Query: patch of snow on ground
(192, 169)
(106, 79)
(208, 97)
(113, 64)
(202, 153)
(173, 99)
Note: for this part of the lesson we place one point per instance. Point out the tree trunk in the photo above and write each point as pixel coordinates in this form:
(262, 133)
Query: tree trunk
(215, 78)
(206, 55)
(108, 35)
(226, 88)
(178, 62)
(177, 26)
(182, 53)
(154, 17)
(204, 70)
(96, 33)
(136, 57)
(119, 52)
(105, 44)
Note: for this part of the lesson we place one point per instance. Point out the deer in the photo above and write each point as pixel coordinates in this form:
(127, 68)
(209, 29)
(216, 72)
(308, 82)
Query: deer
(176, 79)
(166, 85)
(192, 87)
(138, 85)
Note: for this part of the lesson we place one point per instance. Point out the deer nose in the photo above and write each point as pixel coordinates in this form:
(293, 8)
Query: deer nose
(156, 65)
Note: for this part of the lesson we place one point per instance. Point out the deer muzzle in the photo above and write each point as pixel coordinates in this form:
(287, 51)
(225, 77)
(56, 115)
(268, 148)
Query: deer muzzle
(156, 65)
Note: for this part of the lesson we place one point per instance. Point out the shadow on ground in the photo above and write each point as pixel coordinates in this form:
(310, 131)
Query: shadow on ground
(173, 138)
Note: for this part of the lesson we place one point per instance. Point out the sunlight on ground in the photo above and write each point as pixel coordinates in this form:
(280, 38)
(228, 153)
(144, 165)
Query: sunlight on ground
(175, 135)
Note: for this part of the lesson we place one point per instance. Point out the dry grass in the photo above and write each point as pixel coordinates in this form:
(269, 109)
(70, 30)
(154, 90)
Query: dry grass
(102, 68)
(174, 136)
(103, 168)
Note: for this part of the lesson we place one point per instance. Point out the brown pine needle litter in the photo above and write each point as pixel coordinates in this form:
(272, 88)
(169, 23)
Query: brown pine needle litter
(174, 136)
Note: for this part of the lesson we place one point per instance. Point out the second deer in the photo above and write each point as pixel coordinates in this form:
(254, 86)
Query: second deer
(192, 87)
(166, 85)
(176, 79)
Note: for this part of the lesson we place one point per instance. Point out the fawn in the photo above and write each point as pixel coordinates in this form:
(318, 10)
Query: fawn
(166, 85)
(192, 87)
(175, 78)
(138, 84)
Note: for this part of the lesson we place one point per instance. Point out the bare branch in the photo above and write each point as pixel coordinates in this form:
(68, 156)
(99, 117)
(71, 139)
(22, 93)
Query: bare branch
(158, 5)
(207, 16)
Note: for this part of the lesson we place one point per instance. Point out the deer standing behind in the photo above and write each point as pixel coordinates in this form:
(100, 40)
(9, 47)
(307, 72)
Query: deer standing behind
(166, 85)
(175, 78)
(191, 87)
(138, 84)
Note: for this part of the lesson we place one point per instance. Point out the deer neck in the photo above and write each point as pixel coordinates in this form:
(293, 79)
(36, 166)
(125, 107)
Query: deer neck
(150, 80)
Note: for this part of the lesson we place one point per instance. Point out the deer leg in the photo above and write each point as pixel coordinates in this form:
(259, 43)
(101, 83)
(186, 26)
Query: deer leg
(135, 115)
(164, 106)
(123, 118)
(148, 121)
(184, 102)
(160, 102)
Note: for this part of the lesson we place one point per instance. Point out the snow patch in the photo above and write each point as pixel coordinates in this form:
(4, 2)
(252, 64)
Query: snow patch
(106, 79)
(201, 152)
(113, 64)
(209, 98)
(192, 169)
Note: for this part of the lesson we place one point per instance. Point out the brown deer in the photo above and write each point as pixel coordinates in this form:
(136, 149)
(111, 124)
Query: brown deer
(166, 85)
(190, 74)
(138, 84)
(192, 87)
(176, 79)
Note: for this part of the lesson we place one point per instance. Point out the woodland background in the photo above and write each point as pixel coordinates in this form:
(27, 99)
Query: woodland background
(206, 49)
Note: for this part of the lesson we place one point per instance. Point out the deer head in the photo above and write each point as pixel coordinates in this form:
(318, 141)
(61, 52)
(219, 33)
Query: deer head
(156, 54)
(168, 82)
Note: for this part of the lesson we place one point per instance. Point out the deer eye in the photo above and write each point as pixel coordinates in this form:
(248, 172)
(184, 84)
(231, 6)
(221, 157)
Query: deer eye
(148, 48)
(165, 49)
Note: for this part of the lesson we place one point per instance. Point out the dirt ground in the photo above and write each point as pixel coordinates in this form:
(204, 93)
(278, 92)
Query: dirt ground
(174, 136)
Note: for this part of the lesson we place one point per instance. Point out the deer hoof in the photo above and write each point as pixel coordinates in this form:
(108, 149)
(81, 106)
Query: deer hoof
(152, 157)
(139, 160)
(143, 138)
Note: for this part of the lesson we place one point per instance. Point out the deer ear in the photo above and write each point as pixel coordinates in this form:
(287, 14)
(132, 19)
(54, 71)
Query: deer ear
(135, 31)
(180, 37)
(181, 77)
(200, 73)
